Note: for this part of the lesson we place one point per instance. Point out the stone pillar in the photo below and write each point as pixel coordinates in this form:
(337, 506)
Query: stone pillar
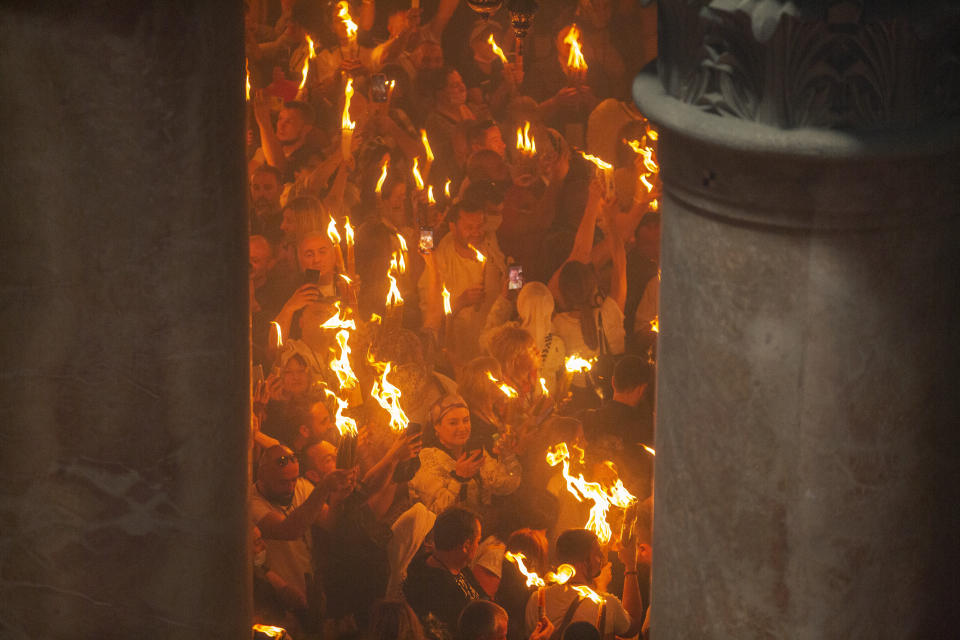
(807, 406)
(124, 411)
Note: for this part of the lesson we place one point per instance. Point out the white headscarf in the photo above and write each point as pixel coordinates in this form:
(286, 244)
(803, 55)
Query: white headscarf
(535, 306)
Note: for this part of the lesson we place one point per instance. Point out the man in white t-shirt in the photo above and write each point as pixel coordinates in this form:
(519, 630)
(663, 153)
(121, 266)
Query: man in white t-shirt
(284, 506)
(580, 548)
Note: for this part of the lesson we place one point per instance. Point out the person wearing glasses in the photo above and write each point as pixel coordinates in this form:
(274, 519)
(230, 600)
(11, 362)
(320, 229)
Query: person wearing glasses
(284, 506)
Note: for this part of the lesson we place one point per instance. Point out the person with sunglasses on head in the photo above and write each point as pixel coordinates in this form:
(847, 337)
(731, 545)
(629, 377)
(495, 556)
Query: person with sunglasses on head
(284, 506)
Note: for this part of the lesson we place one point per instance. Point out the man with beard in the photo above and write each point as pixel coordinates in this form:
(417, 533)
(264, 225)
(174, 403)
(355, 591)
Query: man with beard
(265, 189)
(564, 605)
(284, 506)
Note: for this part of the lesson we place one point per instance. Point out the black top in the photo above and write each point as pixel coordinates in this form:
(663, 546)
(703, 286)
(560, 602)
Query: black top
(435, 592)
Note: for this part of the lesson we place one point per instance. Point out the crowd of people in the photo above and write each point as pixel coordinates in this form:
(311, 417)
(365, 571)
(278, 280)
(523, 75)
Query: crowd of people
(454, 247)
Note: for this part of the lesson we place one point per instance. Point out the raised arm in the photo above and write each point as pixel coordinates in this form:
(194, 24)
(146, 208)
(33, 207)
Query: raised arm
(583, 242)
(442, 17)
(272, 150)
(618, 276)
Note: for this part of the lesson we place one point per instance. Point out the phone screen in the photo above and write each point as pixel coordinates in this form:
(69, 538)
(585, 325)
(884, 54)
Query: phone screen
(515, 277)
(378, 87)
(426, 239)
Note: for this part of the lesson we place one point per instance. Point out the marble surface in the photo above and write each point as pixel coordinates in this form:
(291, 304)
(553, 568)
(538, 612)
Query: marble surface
(806, 435)
(123, 418)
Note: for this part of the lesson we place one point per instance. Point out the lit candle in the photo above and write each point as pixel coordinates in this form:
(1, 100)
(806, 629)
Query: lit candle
(334, 236)
(348, 232)
(346, 124)
(482, 259)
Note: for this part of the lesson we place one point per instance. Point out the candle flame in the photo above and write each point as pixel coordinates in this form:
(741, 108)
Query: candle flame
(649, 450)
(446, 188)
(246, 66)
(339, 320)
(575, 364)
(480, 257)
(575, 59)
(304, 73)
(341, 366)
(430, 198)
(505, 389)
(655, 324)
(533, 580)
(654, 205)
(497, 50)
(375, 318)
(426, 145)
(563, 574)
(652, 134)
(644, 178)
(602, 497)
(313, 51)
(383, 173)
(345, 121)
(346, 278)
(588, 593)
(416, 173)
(346, 425)
(344, 15)
(388, 395)
(601, 164)
(276, 325)
(525, 142)
(348, 230)
(270, 632)
(393, 294)
(332, 232)
(543, 386)
(447, 309)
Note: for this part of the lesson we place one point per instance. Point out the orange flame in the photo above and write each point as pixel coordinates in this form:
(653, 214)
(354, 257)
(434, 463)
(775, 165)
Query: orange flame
(649, 450)
(348, 230)
(426, 145)
(525, 142)
(655, 324)
(533, 580)
(603, 498)
(270, 632)
(341, 366)
(563, 574)
(246, 66)
(345, 424)
(588, 593)
(497, 50)
(345, 121)
(339, 320)
(416, 173)
(446, 188)
(543, 386)
(576, 364)
(305, 72)
(383, 173)
(480, 257)
(447, 309)
(601, 164)
(344, 15)
(388, 395)
(393, 294)
(654, 205)
(575, 59)
(430, 198)
(505, 389)
(332, 232)
(646, 182)
(276, 325)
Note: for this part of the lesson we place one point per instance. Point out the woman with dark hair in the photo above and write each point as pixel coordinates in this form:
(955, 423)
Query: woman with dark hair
(393, 620)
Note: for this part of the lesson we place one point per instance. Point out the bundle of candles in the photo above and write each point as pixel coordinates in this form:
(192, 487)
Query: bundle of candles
(561, 576)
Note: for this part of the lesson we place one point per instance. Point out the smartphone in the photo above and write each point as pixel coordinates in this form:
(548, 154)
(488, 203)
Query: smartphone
(426, 239)
(378, 87)
(515, 277)
(311, 276)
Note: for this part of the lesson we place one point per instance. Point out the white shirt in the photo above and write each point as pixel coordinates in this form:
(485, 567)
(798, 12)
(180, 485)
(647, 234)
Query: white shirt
(559, 598)
(567, 326)
(290, 559)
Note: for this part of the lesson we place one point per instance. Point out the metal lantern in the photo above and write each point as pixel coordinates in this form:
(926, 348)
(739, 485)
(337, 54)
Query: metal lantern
(521, 16)
(486, 8)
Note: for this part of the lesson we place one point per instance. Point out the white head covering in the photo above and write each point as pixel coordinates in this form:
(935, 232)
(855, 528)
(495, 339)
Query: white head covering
(535, 306)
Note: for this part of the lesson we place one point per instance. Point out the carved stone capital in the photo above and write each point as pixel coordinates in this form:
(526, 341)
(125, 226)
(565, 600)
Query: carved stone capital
(814, 63)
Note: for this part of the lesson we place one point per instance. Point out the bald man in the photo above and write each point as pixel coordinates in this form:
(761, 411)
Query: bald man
(284, 506)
